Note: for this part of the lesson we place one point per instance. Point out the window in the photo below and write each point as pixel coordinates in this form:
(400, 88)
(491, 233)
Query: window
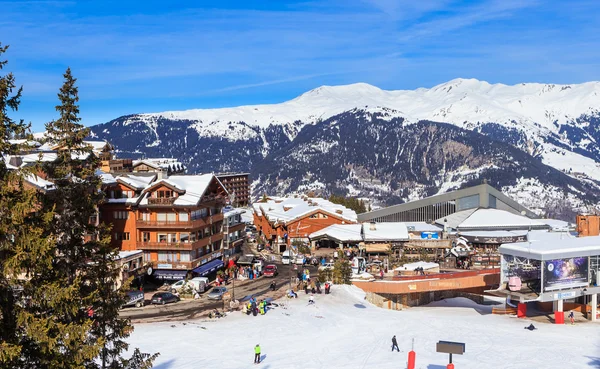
(147, 256)
(201, 213)
(184, 237)
(172, 237)
(161, 217)
(171, 217)
(184, 256)
(193, 237)
(162, 255)
(146, 236)
(121, 215)
(164, 194)
(145, 216)
(122, 236)
(162, 237)
(207, 232)
(184, 217)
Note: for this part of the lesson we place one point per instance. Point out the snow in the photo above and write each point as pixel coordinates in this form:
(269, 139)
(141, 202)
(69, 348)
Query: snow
(340, 232)
(488, 218)
(289, 209)
(194, 187)
(385, 232)
(544, 245)
(419, 264)
(343, 330)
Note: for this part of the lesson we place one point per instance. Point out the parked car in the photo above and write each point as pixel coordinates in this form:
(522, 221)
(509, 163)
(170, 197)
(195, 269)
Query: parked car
(217, 293)
(163, 298)
(199, 284)
(300, 259)
(326, 266)
(270, 270)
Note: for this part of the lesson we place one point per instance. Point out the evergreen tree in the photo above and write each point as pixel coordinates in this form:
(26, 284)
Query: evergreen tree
(342, 272)
(84, 259)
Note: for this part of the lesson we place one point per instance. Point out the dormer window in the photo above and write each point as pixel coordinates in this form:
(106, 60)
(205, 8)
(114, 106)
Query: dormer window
(164, 194)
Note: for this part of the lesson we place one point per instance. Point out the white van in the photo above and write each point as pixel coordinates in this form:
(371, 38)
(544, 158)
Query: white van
(199, 284)
(287, 257)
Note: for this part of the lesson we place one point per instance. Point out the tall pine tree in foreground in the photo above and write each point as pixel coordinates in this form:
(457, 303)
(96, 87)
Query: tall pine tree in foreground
(86, 257)
(56, 267)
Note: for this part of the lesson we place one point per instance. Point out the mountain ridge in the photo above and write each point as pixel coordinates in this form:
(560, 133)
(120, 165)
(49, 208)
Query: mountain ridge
(558, 125)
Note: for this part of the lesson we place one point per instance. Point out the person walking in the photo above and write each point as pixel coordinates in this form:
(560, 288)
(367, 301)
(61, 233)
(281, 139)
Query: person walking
(257, 354)
(572, 317)
(395, 344)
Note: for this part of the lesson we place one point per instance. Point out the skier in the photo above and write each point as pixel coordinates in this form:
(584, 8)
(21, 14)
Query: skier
(261, 308)
(264, 306)
(572, 317)
(257, 354)
(273, 286)
(395, 344)
(311, 300)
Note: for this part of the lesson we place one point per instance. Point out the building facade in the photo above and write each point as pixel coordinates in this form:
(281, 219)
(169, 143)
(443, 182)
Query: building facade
(177, 221)
(238, 186)
(281, 221)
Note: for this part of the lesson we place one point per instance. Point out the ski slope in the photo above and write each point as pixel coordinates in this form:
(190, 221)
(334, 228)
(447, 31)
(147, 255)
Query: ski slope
(344, 331)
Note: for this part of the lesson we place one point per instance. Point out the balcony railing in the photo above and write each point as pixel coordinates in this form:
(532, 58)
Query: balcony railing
(165, 264)
(171, 246)
(166, 224)
(161, 200)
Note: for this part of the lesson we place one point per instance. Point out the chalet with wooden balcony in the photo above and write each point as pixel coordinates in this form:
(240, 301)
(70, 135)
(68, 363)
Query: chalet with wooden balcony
(280, 221)
(176, 221)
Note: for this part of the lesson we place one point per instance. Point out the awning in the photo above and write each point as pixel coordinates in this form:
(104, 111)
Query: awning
(170, 274)
(211, 266)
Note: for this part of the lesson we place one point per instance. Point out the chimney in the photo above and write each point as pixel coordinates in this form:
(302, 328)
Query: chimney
(339, 211)
(16, 161)
(372, 226)
(160, 174)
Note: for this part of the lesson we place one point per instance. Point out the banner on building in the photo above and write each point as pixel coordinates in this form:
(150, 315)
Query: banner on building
(565, 273)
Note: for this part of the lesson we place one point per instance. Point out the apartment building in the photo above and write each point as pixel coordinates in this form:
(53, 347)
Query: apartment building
(176, 221)
(238, 186)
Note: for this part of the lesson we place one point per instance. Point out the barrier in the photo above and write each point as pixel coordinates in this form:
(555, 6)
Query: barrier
(521, 310)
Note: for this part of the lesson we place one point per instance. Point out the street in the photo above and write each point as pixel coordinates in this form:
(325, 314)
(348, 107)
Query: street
(189, 308)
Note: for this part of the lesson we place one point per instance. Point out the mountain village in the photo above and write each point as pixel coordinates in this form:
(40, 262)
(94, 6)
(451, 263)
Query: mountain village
(175, 229)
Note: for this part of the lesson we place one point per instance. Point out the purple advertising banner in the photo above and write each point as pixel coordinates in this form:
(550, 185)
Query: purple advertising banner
(565, 273)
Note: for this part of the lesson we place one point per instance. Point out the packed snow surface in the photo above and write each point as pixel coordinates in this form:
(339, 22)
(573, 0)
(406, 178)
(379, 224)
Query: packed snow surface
(342, 330)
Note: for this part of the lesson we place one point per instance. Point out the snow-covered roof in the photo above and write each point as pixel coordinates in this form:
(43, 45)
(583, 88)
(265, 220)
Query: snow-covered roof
(419, 264)
(192, 187)
(285, 210)
(422, 227)
(544, 245)
(127, 254)
(97, 146)
(40, 182)
(137, 182)
(232, 212)
(161, 163)
(558, 225)
(383, 232)
(490, 219)
(340, 232)
(377, 232)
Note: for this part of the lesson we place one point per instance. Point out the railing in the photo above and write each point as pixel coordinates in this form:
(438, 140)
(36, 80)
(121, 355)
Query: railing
(161, 200)
(170, 246)
(200, 222)
(186, 265)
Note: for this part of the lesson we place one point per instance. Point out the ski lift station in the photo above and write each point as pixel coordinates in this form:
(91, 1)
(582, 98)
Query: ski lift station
(551, 267)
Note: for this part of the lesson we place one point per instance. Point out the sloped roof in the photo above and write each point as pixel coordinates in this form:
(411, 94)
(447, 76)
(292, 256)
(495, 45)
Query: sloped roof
(494, 218)
(39, 182)
(340, 233)
(285, 210)
(384, 232)
(193, 188)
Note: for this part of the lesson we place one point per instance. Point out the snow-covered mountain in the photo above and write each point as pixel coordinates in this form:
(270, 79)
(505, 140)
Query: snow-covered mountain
(557, 124)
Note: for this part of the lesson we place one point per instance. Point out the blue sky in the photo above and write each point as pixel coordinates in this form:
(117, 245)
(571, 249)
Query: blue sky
(149, 56)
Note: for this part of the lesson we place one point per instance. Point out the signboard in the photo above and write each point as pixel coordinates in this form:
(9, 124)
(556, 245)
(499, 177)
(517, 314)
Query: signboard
(165, 266)
(495, 239)
(565, 273)
(430, 236)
